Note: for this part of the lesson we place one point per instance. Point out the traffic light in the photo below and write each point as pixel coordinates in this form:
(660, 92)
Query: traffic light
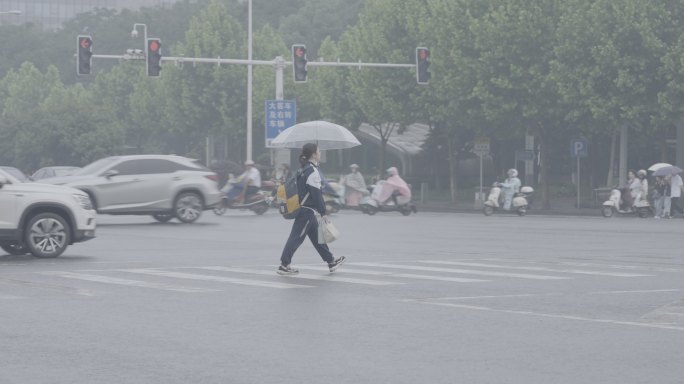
(299, 63)
(84, 58)
(154, 57)
(422, 65)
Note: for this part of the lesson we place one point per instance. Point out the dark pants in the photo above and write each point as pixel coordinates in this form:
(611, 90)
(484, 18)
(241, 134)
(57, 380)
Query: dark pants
(675, 205)
(304, 224)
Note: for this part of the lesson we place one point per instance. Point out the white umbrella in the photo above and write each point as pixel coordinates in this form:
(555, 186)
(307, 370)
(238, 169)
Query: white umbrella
(665, 171)
(327, 135)
(657, 166)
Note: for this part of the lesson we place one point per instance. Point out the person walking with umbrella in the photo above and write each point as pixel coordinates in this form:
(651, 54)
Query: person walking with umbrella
(671, 174)
(312, 206)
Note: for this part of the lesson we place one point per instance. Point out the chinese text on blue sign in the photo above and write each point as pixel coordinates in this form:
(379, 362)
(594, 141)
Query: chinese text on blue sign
(280, 115)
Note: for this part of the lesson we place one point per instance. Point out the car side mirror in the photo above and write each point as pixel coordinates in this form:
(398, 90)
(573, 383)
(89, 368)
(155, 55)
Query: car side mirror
(111, 173)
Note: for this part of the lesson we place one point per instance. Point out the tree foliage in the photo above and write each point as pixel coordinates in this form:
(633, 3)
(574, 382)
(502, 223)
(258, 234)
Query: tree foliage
(550, 68)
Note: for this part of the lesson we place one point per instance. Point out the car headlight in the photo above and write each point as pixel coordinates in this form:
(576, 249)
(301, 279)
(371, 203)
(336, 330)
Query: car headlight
(83, 201)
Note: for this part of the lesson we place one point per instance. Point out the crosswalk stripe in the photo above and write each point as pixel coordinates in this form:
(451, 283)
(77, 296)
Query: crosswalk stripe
(303, 276)
(192, 276)
(400, 275)
(48, 287)
(132, 283)
(463, 271)
(646, 268)
(542, 269)
(627, 267)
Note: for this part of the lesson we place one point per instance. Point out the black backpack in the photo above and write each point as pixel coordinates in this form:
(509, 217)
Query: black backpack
(287, 196)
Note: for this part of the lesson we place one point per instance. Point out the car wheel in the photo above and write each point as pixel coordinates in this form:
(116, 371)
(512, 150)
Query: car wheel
(14, 249)
(47, 235)
(188, 207)
(163, 217)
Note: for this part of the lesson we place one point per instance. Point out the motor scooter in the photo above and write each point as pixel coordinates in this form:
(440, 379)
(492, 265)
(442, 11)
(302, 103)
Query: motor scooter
(333, 196)
(495, 201)
(614, 205)
(233, 198)
(400, 203)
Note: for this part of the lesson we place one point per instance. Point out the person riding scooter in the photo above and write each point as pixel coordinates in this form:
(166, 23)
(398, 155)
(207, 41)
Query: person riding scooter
(633, 191)
(510, 187)
(355, 186)
(392, 187)
(247, 184)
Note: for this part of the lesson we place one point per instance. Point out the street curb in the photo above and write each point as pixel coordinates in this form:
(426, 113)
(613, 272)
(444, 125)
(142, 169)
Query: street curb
(532, 211)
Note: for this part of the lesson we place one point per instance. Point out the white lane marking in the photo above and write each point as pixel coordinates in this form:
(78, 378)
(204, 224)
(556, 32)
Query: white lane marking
(542, 269)
(49, 287)
(627, 267)
(551, 294)
(192, 276)
(590, 265)
(496, 296)
(303, 276)
(634, 291)
(463, 271)
(127, 282)
(549, 315)
(401, 275)
(8, 297)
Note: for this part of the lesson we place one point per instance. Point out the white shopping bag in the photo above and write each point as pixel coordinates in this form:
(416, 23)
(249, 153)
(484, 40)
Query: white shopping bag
(327, 232)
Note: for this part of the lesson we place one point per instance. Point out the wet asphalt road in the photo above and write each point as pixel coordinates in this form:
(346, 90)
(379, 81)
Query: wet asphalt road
(429, 298)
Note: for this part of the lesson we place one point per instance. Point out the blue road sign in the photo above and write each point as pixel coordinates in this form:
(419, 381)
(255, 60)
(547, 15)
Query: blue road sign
(579, 148)
(280, 115)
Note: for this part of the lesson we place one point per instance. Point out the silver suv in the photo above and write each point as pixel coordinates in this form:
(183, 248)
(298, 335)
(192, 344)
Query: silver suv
(42, 219)
(164, 186)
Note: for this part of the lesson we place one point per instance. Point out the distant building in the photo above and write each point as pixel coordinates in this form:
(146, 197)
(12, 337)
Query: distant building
(51, 14)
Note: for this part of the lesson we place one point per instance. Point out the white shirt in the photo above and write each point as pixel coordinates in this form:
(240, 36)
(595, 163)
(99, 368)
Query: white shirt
(676, 186)
(253, 175)
(314, 179)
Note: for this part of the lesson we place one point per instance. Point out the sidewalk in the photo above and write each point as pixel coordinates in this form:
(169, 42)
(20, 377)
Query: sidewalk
(559, 206)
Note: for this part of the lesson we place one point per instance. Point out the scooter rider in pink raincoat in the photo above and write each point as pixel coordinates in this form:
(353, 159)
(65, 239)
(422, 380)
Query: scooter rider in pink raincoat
(393, 183)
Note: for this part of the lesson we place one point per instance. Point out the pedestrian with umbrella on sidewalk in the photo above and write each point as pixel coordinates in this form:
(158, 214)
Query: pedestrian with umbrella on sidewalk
(671, 175)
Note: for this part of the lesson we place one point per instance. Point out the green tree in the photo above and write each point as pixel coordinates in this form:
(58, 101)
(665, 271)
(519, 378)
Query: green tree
(515, 46)
(381, 95)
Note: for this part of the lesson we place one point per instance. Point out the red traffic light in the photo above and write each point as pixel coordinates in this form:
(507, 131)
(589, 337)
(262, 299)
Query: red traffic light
(422, 65)
(154, 57)
(84, 42)
(299, 63)
(154, 45)
(84, 55)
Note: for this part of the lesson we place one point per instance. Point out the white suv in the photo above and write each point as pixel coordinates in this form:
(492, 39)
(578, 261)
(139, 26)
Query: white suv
(42, 219)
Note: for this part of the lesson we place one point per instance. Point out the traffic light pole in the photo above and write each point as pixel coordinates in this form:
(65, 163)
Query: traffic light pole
(279, 64)
(275, 62)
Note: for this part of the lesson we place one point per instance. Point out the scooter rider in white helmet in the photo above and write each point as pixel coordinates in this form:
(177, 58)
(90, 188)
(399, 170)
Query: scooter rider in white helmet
(510, 187)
